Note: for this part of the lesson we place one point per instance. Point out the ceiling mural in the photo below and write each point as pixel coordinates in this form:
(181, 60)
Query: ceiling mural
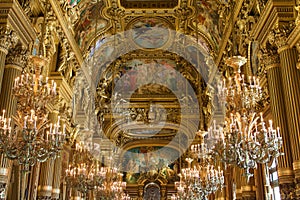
(137, 72)
(149, 33)
(146, 158)
(208, 20)
(90, 20)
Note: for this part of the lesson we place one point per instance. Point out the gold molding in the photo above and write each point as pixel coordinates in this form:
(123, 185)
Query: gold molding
(283, 48)
(272, 66)
(296, 165)
(285, 172)
(10, 66)
(45, 188)
(227, 33)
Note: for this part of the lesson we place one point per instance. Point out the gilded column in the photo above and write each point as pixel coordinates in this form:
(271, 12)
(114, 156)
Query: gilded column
(56, 178)
(45, 180)
(238, 183)
(47, 171)
(15, 61)
(8, 39)
(277, 101)
(291, 82)
(248, 187)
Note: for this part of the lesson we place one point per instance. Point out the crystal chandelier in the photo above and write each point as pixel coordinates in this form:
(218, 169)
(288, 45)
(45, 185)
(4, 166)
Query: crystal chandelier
(80, 174)
(201, 180)
(34, 138)
(112, 186)
(198, 182)
(239, 92)
(85, 174)
(245, 139)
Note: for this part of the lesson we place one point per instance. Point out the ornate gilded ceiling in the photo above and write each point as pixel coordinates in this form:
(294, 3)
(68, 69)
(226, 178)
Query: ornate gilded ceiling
(153, 77)
(195, 17)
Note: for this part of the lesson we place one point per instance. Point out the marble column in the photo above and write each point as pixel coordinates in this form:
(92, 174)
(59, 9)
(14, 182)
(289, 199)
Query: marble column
(277, 102)
(15, 61)
(47, 171)
(291, 81)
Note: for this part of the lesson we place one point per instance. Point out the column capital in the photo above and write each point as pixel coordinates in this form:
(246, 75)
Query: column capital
(17, 57)
(278, 36)
(8, 38)
(269, 57)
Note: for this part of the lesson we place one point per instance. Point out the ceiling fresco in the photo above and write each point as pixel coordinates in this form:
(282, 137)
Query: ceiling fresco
(146, 158)
(205, 20)
(90, 20)
(208, 21)
(150, 32)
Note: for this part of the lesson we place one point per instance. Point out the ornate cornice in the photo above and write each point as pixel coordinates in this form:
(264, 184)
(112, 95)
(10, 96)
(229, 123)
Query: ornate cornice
(274, 12)
(13, 14)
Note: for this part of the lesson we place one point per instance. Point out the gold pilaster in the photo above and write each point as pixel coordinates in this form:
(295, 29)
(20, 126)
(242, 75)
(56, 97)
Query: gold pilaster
(45, 180)
(279, 113)
(238, 183)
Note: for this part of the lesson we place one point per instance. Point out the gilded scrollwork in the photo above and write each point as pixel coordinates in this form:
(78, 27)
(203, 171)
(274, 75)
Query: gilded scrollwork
(183, 13)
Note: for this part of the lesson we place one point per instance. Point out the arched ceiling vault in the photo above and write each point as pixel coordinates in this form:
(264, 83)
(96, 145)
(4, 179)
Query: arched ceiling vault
(100, 19)
(197, 18)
